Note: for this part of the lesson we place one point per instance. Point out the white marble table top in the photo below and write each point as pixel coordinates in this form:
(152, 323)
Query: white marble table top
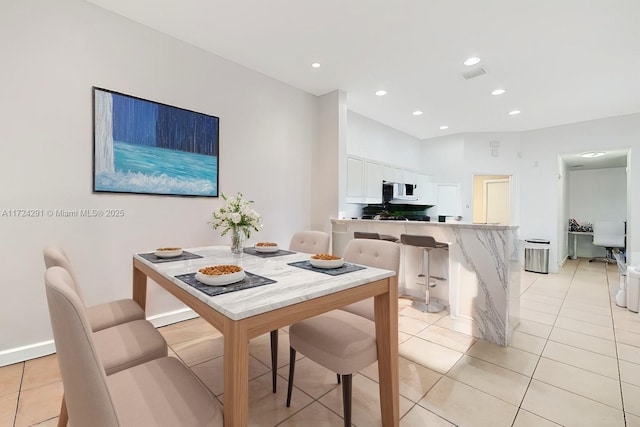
(293, 284)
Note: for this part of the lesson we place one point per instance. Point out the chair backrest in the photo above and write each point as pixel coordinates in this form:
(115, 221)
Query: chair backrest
(373, 253)
(418, 240)
(87, 395)
(310, 242)
(365, 235)
(55, 256)
(609, 234)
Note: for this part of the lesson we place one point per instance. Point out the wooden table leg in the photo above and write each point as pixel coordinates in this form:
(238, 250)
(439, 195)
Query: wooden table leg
(140, 288)
(63, 418)
(236, 373)
(386, 312)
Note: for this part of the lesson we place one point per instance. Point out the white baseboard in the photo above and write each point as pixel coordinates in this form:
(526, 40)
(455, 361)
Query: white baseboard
(45, 348)
(164, 319)
(27, 352)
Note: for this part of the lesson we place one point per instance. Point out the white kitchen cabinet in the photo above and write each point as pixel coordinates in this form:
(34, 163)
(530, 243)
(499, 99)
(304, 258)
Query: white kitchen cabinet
(388, 173)
(410, 177)
(398, 175)
(373, 179)
(355, 180)
(364, 181)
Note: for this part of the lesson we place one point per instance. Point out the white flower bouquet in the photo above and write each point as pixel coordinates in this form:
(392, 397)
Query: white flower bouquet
(236, 215)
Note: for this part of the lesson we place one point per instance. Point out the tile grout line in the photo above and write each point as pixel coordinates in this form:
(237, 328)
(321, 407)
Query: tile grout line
(15, 415)
(543, 348)
(624, 413)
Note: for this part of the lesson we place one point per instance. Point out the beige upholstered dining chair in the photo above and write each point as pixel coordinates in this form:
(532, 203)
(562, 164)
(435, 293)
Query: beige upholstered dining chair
(161, 392)
(120, 346)
(344, 340)
(310, 242)
(102, 315)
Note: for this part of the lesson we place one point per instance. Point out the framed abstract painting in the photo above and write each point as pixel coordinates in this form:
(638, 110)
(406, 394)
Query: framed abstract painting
(146, 147)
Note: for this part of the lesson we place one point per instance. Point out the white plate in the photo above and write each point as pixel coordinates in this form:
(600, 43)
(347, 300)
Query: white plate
(266, 249)
(327, 263)
(168, 254)
(221, 280)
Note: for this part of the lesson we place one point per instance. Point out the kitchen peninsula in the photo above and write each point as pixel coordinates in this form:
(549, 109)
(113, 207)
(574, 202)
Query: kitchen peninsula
(482, 269)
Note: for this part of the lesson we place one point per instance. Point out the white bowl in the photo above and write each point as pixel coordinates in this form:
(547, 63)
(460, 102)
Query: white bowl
(163, 253)
(327, 263)
(220, 280)
(266, 249)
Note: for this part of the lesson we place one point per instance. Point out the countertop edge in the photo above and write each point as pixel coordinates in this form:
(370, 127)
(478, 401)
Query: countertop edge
(433, 223)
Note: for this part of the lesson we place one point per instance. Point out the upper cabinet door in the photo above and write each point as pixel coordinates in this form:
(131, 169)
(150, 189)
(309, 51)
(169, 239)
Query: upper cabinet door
(410, 177)
(388, 173)
(355, 180)
(374, 173)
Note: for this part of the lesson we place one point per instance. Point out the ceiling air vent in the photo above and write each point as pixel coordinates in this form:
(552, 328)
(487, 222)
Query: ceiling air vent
(476, 72)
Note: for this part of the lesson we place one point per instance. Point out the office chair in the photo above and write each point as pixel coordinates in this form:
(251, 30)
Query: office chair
(610, 235)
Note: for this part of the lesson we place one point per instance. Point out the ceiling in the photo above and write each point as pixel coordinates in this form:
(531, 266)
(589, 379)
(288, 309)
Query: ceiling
(559, 61)
(609, 159)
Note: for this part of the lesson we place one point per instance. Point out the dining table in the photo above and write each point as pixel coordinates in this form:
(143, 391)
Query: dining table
(280, 289)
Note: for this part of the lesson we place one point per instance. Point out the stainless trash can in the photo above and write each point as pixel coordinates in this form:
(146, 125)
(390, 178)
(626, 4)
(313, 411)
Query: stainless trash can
(633, 288)
(536, 255)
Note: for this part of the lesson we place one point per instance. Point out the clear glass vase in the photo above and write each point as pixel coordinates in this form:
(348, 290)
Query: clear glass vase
(237, 240)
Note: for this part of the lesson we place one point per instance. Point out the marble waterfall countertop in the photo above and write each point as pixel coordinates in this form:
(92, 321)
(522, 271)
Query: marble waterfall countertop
(484, 262)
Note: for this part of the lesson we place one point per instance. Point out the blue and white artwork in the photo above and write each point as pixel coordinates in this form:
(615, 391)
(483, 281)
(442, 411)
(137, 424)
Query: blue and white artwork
(146, 147)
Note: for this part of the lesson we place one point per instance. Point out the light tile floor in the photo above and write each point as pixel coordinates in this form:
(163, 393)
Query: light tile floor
(574, 361)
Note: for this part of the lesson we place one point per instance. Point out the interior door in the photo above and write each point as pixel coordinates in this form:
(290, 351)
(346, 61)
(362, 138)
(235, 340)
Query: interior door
(498, 201)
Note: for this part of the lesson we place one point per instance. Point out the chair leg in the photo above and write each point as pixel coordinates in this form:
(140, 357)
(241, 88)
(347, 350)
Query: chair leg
(63, 418)
(346, 399)
(274, 358)
(292, 368)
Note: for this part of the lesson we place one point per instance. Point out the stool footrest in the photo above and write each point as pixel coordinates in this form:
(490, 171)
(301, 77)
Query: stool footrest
(432, 307)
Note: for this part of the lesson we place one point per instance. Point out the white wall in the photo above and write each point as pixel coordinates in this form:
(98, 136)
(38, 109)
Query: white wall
(597, 195)
(457, 158)
(328, 166)
(375, 141)
(540, 185)
(562, 224)
(52, 54)
(540, 210)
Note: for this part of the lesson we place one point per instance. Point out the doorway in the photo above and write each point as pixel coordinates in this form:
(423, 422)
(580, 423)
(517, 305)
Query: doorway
(492, 199)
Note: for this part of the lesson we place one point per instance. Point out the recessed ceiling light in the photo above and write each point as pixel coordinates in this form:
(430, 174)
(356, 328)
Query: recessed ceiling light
(316, 65)
(514, 112)
(443, 127)
(592, 154)
(498, 92)
(471, 61)
(417, 113)
(381, 92)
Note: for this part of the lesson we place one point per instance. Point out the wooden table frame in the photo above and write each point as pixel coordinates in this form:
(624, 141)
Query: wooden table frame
(237, 334)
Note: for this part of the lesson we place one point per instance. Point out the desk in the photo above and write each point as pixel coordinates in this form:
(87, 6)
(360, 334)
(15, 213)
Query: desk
(575, 235)
(297, 294)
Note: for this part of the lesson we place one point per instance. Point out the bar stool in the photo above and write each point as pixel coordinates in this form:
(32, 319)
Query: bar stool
(375, 236)
(427, 243)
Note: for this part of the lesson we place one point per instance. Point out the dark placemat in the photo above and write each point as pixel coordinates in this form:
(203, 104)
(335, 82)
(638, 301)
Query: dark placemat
(251, 281)
(346, 268)
(151, 257)
(280, 252)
